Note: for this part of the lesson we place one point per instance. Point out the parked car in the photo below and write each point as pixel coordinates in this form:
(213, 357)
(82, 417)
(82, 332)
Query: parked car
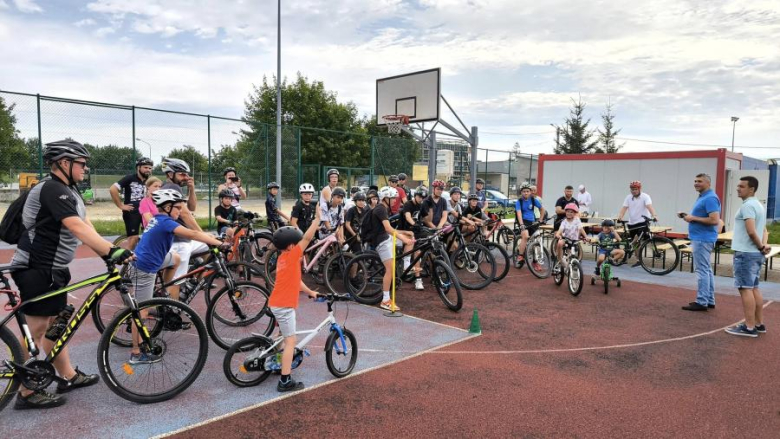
(499, 199)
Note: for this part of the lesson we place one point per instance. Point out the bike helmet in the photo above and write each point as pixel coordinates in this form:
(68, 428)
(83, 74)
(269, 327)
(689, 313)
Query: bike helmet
(473, 197)
(456, 190)
(607, 223)
(387, 192)
(572, 206)
(360, 196)
(306, 188)
(272, 185)
(479, 180)
(64, 149)
(163, 196)
(635, 184)
(372, 193)
(402, 176)
(393, 179)
(438, 184)
(144, 161)
(333, 172)
(285, 236)
(338, 192)
(226, 193)
(354, 189)
(421, 191)
(228, 169)
(175, 165)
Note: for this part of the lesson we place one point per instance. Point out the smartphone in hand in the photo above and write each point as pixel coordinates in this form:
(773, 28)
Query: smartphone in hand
(681, 214)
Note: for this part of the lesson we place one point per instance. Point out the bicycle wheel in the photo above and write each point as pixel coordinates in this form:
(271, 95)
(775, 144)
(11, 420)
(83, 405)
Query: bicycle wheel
(261, 243)
(558, 277)
(503, 261)
(341, 353)
(505, 237)
(239, 271)
(539, 261)
(575, 277)
(269, 267)
(606, 275)
(447, 285)
(518, 260)
(474, 265)
(110, 304)
(180, 350)
(363, 278)
(245, 373)
(238, 313)
(335, 270)
(10, 350)
(653, 260)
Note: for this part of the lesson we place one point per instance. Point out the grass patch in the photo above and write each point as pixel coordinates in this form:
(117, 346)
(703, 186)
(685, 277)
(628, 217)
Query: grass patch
(117, 227)
(774, 233)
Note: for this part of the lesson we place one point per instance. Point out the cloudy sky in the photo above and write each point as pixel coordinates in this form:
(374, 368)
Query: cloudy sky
(676, 71)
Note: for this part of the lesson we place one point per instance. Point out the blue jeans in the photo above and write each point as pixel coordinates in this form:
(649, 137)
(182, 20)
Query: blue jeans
(747, 269)
(705, 291)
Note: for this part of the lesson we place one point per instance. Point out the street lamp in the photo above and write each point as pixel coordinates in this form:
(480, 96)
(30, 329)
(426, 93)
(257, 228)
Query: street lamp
(147, 143)
(733, 130)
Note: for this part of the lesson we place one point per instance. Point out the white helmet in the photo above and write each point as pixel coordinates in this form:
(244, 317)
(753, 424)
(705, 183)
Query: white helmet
(163, 196)
(388, 192)
(306, 188)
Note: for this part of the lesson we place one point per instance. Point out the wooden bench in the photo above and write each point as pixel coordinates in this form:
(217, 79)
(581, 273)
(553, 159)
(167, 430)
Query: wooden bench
(679, 243)
(769, 258)
(686, 252)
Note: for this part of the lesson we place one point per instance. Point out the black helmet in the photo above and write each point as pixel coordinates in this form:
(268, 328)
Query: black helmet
(338, 192)
(607, 223)
(285, 236)
(456, 190)
(360, 196)
(228, 169)
(479, 180)
(64, 149)
(421, 191)
(393, 179)
(372, 193)
(272, 185)
(333, 172)
(402, 176)
(473, 196)
(175, 165)
(226, 193)
(144, 161)
(354, 190)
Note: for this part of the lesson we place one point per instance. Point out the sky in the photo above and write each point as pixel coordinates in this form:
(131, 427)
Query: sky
(674, 71)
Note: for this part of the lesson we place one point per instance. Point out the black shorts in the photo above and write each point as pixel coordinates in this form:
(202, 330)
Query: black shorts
(34, 282)
(531, 229)
(132, 222)
(637, 229)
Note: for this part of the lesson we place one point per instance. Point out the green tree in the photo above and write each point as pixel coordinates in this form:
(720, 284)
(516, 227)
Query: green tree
(14, 156)
(198, 162)
(575, 137)
(108, 158)
(607, 137)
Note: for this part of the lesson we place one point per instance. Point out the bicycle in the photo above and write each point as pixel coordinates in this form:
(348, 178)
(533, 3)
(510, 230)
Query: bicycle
(251, 360)
(172, 330)
(364, 274)
(569, 266)
(472, 262)
(538, 257)
(236, 308)
(605, 273)
(481, 236)
(648, 242)
(250, 245)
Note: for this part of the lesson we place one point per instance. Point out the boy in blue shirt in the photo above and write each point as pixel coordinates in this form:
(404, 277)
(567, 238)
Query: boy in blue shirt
(153, 254)
(273, 212)
(524, 212)
(609, 241)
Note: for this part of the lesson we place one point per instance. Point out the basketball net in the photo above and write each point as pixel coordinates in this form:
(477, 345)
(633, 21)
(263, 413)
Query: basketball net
(395, 122)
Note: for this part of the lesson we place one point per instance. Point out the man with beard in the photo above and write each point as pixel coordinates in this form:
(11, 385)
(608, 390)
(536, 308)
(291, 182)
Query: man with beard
(133, 187)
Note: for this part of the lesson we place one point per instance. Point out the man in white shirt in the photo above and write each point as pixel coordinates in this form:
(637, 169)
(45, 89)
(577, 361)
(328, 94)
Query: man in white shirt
(639, 206)
(584, 199)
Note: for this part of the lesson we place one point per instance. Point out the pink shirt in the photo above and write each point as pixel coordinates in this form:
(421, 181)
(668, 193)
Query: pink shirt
(147, 206)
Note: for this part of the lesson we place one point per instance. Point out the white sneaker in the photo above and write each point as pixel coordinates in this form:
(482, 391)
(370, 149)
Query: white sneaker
(389, 306)
(418, 285)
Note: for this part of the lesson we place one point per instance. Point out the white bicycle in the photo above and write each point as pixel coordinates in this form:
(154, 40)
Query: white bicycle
(251, 360)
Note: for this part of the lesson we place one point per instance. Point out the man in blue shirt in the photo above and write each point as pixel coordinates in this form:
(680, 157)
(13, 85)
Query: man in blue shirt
(750, 246)
(703, 232)
(524, 211)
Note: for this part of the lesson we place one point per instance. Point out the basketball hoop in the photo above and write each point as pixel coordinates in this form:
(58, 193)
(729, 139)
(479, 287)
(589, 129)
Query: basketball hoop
(395, 122)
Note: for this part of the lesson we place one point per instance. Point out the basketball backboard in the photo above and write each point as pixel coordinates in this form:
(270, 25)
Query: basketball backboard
(412, 94)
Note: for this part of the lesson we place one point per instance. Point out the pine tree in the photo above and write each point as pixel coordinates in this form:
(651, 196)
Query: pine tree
(607, 137)
(575, 138)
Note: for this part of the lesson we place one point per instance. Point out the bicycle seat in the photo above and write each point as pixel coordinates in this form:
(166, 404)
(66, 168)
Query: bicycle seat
(10, 268)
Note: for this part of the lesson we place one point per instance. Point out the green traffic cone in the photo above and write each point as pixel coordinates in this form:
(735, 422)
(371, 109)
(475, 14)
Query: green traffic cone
(475, 328)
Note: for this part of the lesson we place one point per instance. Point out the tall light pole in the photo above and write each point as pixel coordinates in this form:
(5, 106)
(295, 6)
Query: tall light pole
(279, 98)
(733, 131)
(147, 144)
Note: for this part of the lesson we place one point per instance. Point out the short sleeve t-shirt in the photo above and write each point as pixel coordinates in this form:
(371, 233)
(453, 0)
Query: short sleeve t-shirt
(378, 216)
(706, 204)
(133, 189)
(562, 202)
(399, 201)
(637, 208)
(750, 209)
(482, 198)
(155, 243)
(228, 214)
(335, 216)
(288, 279)
(304, 214)
(455, 211)
(353, 217)
(176, 187)
(413, 209)
(571, 229)
(473, 212)
(270, 208)
(607, 240)
(147, 206)
(527, 208)
(435, 208)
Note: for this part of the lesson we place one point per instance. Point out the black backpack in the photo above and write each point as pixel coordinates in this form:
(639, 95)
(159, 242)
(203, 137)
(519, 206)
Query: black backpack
(365, 226)
(11, 227)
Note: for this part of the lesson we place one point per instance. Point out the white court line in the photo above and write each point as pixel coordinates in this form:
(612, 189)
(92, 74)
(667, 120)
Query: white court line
(307, 389)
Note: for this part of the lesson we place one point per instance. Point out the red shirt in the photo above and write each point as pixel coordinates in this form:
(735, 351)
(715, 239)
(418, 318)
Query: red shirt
(399, 202)
(287, 288)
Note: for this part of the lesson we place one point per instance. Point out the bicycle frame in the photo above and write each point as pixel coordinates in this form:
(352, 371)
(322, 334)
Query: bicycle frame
(323, 246)
(221, 268)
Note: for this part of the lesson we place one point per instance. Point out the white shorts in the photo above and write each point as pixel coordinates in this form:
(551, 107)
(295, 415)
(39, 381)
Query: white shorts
(285, 317)
(184, 250)
(385, 249)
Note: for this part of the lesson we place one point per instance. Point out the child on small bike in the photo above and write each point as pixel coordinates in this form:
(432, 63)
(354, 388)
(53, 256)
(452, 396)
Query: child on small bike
(284, 297)
(226, 214)
(571, 228)
(609, 240)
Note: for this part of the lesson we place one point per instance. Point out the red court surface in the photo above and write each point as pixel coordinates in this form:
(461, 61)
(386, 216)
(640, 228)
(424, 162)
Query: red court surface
(629, 364)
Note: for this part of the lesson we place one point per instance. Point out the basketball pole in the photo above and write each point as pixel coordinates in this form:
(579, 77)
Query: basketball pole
(393, 312)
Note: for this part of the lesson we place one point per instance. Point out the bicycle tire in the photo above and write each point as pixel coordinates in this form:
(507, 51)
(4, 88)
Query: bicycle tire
(261, 243)
(575, 277)
(663, 267)
(365, 284)
(335, 268)
(234, 314)
(112, 303)
(10, 350)
(269, 267)
(558, 277)
(114, 368)
(244, 346)
(467, 263)
(606, 274)
(248, 273)
(502, 259)
(334, 343)
(445, 279)
(538, 259)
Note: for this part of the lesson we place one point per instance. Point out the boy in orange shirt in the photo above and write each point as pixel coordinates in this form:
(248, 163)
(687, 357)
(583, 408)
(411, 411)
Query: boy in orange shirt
(284, 297)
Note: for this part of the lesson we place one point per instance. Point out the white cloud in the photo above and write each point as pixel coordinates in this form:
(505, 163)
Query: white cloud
(85, 22)
(27, 6)
(3, 4)
(104, 31)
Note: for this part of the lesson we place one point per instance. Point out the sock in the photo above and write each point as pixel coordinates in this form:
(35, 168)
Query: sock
(285, 379)
(385, 296)
(407, 262)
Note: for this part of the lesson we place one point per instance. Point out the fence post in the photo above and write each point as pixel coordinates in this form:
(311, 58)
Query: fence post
(134, 153)
(371, 171)
(208, 130)
(267, 165)
(300, 159)
(40, 139)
